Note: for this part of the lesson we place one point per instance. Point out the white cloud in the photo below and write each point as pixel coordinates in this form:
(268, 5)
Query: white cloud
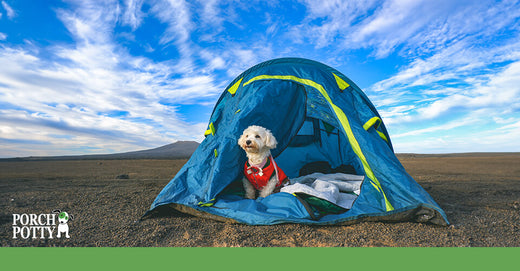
(94, 93)
(132, 14)
(396, 114)
(178, 17)
(502, 91)
(464, 81)
(500, 120)
(409, 27)
(78, 102)
(375, 31)
(460, 79)
(211, 14)
(434, 129)
(463, 61)
(471, 114)
(8, 10)
(335, 20)
(502, 139)
(90, 22)
(98, 93)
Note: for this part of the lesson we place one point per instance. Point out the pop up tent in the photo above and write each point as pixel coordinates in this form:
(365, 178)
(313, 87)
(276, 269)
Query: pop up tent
(323, 123)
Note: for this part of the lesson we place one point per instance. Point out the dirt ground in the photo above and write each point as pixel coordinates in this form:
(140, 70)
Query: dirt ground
(479, 192)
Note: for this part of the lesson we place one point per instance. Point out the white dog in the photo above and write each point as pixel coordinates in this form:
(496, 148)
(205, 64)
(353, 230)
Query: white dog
(63, 218)
(260, 171)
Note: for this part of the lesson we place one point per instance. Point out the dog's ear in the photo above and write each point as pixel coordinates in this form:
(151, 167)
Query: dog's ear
(270, 140)
(241, 140)
(57, 211)
(71, 217)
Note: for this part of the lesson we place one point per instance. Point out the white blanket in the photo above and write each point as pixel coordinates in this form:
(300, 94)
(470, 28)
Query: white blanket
(331, 187)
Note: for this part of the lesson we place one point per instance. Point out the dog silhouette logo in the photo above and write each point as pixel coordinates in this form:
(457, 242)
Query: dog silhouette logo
(63, 227)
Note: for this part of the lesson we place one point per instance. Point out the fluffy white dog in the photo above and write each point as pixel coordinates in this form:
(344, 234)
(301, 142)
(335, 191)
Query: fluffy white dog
(260, 171)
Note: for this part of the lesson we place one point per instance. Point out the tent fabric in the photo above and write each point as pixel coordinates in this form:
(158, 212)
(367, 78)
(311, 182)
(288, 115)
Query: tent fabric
(316, 114)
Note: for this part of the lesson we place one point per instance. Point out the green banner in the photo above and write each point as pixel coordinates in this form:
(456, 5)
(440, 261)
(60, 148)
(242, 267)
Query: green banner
(246, 258)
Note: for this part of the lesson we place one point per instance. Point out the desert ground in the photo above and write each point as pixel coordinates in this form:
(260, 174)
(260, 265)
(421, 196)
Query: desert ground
(479, 192)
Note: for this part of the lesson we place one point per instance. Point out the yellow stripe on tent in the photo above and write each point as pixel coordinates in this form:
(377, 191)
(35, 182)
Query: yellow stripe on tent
(234, 87)
(375, 121)
(371, 122)
(382, 135)
(207, 204)
(341, 83)
(344, 122)
(211, 130)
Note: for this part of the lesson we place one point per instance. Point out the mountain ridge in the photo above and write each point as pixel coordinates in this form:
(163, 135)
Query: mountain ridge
(176, 150)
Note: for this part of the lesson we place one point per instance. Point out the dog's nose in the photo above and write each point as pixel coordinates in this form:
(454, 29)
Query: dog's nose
(248, 142)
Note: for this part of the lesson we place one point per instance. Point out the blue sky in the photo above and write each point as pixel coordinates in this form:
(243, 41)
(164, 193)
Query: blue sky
(82, 77)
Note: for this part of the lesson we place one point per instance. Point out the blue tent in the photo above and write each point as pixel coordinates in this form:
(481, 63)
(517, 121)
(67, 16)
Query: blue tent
(317, 115)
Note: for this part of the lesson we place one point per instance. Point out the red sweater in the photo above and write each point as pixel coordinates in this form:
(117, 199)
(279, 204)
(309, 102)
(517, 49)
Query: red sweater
(260, 177)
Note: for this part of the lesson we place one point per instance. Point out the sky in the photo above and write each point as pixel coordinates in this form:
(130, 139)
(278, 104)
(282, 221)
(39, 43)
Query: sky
(91, 77)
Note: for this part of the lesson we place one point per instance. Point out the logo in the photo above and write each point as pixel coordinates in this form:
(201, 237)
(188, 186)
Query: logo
(41, 226)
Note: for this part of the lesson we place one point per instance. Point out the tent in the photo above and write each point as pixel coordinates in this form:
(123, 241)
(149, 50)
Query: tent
(323, 123)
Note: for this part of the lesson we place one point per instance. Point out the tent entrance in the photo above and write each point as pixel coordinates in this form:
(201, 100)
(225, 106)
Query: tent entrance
(319, 147)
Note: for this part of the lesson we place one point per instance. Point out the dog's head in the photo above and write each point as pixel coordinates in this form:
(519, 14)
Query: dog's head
(63, 217)
(256, 139)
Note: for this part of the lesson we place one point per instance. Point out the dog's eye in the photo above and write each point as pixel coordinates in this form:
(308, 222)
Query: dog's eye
(257, 136)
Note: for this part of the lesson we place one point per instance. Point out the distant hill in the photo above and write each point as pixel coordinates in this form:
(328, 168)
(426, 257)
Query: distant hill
(177, 150)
